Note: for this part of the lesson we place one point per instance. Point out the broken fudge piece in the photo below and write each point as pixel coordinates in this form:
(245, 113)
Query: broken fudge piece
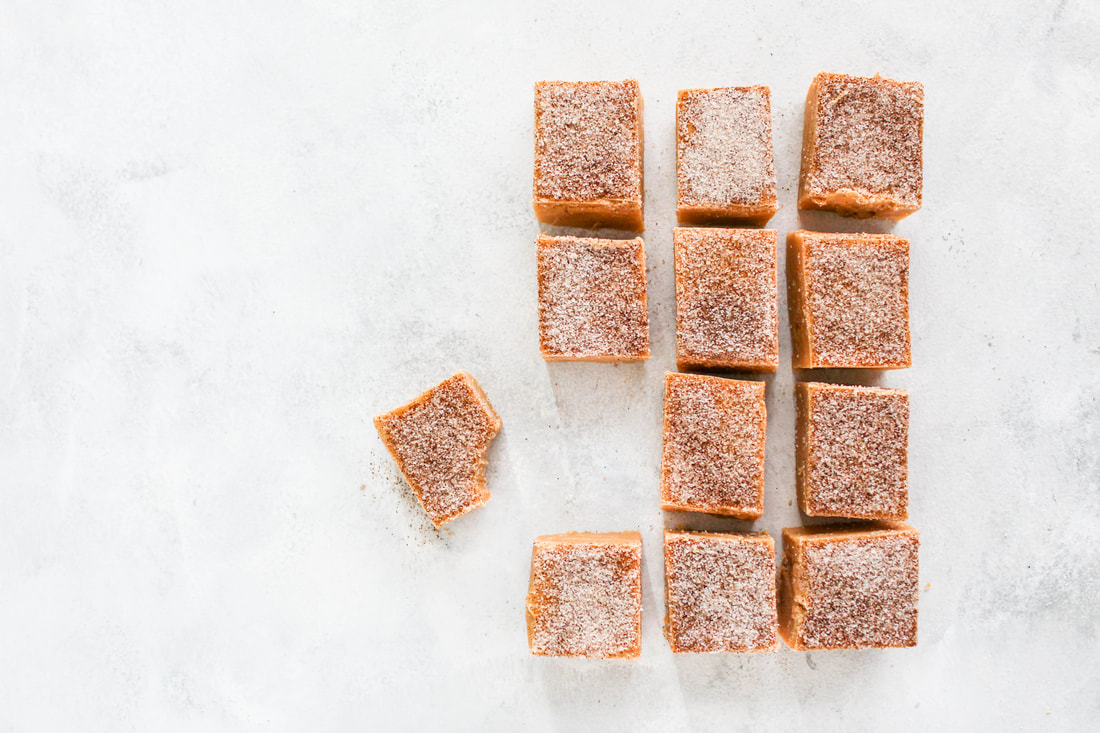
(713, 455)
(726, 299)
(720, 592)
(862, 146)
(852, 449)
(848, 296)
(588, 154)
(725, 168)
(849, 586)
(592, 299)
(585, 595)
(439, 441)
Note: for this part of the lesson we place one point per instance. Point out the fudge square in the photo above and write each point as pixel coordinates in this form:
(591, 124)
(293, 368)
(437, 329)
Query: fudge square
(848, 296)
(852, 451)
(439, 441)
(726, 299)
(588, 154)
(713, 456)
(585, 595)
(720, 592)
(862, 146)
(725, 167)
(592, 299)
(849, 587)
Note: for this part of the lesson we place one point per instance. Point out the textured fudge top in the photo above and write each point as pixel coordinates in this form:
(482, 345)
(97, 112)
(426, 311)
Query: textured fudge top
(860, 588)
(726, 300)
(588, 140)
(724, 147)
(585, 595)
(857, 450)
(868, 136)
(856, 289)
(721, 591)
(592, 299)
(439, 442)
(713, 442)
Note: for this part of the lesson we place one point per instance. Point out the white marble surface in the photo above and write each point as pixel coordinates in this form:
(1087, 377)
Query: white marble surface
(232, 232)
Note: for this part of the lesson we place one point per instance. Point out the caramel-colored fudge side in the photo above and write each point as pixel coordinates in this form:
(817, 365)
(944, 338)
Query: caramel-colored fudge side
(439, 442)
(803, 438)
(852, 451)
(849, 586)
(589, 142)
(862, 146)
(720, 593)
(584, 595)
(535, 599)
(600, 213)
(592, 299)
(726, 299)
(791, 604)
(800, 317)
(702, 216)
(808, 198)
(725, 163)
(713, 446)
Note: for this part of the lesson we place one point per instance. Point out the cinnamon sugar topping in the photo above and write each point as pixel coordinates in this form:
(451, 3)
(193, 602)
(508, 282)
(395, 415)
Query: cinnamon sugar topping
(713, 457)
(585, 595)
(850, 300)
(850, 588)
(726, 298)
(865, 138)
(724, 149)
(852, 451)
(592, 299)
(720, 592)
(588, 140)
(439, 441)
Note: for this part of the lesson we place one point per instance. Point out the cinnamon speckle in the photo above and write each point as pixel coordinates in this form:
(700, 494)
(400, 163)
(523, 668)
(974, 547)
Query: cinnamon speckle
(724, 148)
(713, 456)
(852, 588)
(867, 140)
(592, 299)
(588, 140)
(720, 592)
(726, 298)
(853, 450)
(585, 595)
(854, 292)
(439, 441)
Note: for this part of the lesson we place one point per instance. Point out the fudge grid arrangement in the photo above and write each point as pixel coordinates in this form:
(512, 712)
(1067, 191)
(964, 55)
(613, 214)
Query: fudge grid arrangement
(846, 585)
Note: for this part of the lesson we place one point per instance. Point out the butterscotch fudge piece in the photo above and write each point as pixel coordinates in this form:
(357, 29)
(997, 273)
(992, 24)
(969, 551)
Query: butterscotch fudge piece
(588, 154)
(726, 299)
(862, 146)
(585, 595)
(720, 592)
(592, 299)
(852, 451)
(713, 458)
(849, 587)
(848, 296)
(439, 441)
(725, 168)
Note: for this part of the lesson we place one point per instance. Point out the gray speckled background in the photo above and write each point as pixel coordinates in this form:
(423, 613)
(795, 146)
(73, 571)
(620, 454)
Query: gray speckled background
(233, 232)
